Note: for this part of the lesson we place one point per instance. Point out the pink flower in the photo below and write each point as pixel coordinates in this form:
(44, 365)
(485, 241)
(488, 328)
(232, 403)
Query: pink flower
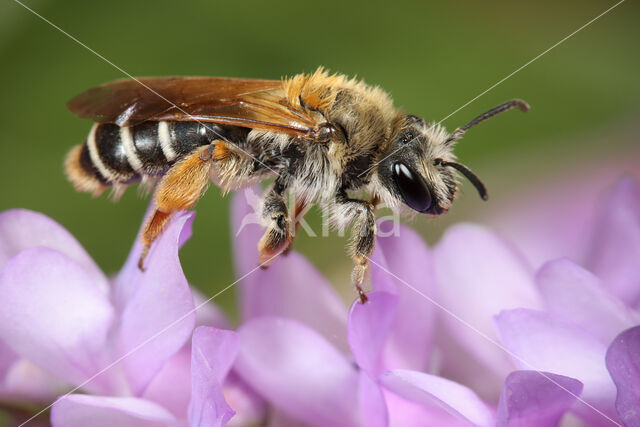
(623, 363)
(129, 342)
(560, 319)
(468, 332)
(378, 368)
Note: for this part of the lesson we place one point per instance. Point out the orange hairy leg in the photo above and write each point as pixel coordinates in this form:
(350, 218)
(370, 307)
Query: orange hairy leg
(180, 189)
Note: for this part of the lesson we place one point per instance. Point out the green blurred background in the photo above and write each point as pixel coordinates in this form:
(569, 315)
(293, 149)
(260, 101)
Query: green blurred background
(432, 57)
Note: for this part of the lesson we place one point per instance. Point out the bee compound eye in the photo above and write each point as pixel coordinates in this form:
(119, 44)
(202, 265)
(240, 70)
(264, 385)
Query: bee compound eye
(412, 188)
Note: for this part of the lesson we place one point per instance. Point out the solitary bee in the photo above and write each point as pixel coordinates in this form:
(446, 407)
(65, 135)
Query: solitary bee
(321, 137)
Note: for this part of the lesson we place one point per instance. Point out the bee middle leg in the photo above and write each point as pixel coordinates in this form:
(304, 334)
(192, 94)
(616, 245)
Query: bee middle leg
(362, 239)
(279, 233)
(180, 188)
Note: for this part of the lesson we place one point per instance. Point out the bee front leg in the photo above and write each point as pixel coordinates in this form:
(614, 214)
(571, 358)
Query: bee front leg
(362, 240)
(279, 235)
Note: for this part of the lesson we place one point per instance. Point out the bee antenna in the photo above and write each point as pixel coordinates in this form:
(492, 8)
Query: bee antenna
(509, 105)
(472, 177)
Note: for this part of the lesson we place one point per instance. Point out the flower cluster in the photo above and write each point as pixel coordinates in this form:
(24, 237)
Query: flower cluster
(466, 332)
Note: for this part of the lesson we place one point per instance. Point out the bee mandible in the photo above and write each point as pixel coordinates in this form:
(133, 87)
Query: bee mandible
(321, 137)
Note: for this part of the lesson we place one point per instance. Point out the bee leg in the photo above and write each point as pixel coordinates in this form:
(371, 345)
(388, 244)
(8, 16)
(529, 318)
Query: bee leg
(179, 189)
(301, 210)
(278, 236)
(362, 240)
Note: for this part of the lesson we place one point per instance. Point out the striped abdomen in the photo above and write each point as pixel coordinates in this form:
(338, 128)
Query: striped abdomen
(115, 155)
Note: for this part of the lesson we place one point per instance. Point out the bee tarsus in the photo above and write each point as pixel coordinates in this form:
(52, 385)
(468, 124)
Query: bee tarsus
(278, 235)
(362, 295)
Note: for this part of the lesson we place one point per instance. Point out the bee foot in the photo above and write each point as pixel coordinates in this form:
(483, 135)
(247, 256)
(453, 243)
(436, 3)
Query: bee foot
(275, 240)
(362, 294)
(358, 276)
(143, 257)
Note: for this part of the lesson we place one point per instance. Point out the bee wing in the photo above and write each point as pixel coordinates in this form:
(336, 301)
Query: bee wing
(259, 104)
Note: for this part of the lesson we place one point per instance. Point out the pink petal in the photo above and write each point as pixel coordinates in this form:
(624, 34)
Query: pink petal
(623, 363)
(26, 381)
(77, 410)
(543, 342)
(369, 326)
(171, 386)
(411, 336)
(371, 404)
(278, 418)
(7, 358)
(576, 295)
(525, 218)
(403, 412)
(212, 353)
(531, 398)
(207, 313)
(22, 229)
(168, 387)
(53, 315)
(159, 316)
(291, 287)
(554, 217)
(246, 229)
(615, 248)
(381, 279)
(123, 287)
(431, 390)
(477, 276)
(298, 371)
(250, 408)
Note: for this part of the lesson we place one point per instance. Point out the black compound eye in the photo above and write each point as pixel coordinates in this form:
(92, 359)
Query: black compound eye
(412, 187)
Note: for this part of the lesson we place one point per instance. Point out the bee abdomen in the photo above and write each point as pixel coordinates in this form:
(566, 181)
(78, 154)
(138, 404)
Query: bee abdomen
(114, 155)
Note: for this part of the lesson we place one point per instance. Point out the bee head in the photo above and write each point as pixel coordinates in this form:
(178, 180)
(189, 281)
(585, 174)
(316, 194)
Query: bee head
(419, 166)
(410, 170)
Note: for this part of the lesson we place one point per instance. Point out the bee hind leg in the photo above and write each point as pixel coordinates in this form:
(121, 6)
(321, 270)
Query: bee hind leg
(279, 235)
(179, 189)
(152, 230)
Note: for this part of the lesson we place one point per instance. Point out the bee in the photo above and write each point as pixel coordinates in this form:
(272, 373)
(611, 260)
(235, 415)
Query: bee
(321, 137)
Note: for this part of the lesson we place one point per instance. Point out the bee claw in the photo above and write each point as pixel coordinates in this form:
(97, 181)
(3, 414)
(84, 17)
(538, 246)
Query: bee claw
(362, 294)
(143, 256)
(267, 254)
(358, 276)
